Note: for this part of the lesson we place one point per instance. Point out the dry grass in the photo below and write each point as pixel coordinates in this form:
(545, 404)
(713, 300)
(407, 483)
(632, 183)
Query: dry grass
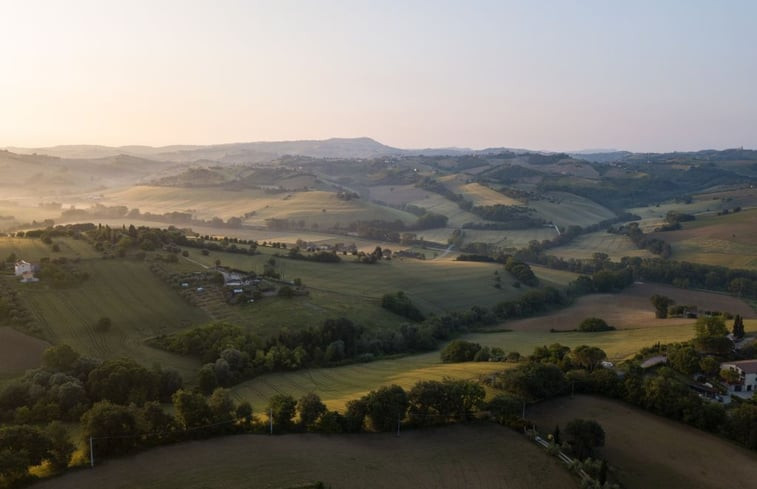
(728, 240)
(19, 352)
(463, 456)
(206, 203)
(650, 451)
(632, 309)
(616, 246)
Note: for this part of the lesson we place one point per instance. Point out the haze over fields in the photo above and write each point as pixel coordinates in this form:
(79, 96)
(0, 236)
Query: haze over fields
(302, 245)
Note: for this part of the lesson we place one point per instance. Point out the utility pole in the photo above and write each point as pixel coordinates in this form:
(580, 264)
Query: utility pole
(398, 425)
(91, 453)
(270, 419)
(524, 410)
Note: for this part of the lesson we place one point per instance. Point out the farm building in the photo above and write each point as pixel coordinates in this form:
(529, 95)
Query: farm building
(747, 371)
(23, 267)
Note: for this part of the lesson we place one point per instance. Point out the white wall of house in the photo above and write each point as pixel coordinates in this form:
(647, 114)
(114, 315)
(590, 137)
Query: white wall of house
(22, 267)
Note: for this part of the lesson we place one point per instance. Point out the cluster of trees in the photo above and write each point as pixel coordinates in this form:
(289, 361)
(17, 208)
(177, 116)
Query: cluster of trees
(384, 409)
(673, 220)
(608, 275)
(556, 369)
(457, 351)
(399, 303)
(68, 384)
(517, 268)
(644, 242)
(592, 324)
(506, 216)
(532, 302)
(573, 231)
(230, 354)
(318, 256)
(24, 446)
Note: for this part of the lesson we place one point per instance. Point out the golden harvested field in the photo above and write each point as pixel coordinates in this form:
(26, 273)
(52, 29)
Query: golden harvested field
(651, 451)
(482, 195)
(338, 385)
(479, 455)
(19, 352)
(631, 308)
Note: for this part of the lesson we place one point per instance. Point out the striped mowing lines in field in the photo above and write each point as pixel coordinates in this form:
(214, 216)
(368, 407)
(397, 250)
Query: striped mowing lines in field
(338, 385)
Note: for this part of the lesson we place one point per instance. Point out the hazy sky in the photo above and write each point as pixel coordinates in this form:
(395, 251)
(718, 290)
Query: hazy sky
(559, 75)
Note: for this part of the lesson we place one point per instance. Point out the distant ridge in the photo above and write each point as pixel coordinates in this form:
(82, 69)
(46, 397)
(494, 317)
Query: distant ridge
(252, 152)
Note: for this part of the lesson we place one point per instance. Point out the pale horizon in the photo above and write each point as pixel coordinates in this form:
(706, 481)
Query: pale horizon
(550, 76)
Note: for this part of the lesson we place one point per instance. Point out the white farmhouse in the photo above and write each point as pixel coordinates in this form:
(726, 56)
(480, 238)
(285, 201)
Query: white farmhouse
(747, 371)
(23, 267)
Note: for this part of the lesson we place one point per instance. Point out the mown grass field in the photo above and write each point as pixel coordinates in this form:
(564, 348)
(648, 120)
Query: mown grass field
(632, 309)
(32, 250)
(514, 239)
(313, 207)
(138, 303)
(125, 290)
(433, 285)
(480, 455)
(651, 451)
(338, 385)
(565, 209)
(729, 240)
(616, 246)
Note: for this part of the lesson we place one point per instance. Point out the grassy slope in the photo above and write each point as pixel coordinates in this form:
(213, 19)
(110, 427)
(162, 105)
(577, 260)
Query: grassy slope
(138, 303)
(614, 245)
(434, 285)
(206, 203)
(565, 209)
(728, 240)
(477, 455)
(651, 451)
(340, 384)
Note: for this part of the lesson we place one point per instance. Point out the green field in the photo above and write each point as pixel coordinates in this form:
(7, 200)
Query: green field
(728, 240)
(480, 455)
(338, 385)
(313, 207)
(616, 246)
(125, 290)
(651, 451)
(433, 285)
(565, 209)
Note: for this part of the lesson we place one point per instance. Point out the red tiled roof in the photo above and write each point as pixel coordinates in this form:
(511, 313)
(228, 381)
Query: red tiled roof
(748, 366)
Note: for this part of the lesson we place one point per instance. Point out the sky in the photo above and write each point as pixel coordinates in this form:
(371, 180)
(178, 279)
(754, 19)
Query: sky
(561, 75)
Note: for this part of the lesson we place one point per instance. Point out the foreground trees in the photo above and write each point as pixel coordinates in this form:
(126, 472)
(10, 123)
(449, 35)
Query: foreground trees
(584, 436)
